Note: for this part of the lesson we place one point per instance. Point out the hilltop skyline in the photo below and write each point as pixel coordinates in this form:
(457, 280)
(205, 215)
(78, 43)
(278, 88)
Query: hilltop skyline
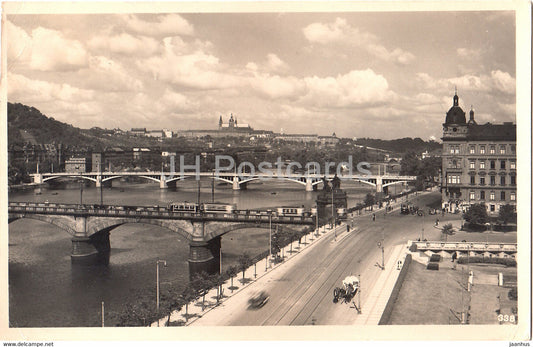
(383, 75)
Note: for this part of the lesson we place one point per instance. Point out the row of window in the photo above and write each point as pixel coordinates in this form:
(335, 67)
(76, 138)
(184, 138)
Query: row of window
(503, 180)
(492, 196)
(492, 164)
(484, 149)
(456, 179)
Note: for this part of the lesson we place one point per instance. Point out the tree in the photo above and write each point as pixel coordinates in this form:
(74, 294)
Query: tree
(476, 214)
(507, 213)
(231, 272)
(244, 261)
(276, 242)
(188, 295)
(218, 280)
(293, 235)
(140, 313)
(201, 282)
(447, 229)
(370, 200)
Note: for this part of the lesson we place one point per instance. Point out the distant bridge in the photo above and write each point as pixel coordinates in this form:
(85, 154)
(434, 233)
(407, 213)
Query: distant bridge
(310, 181)
(90, 226)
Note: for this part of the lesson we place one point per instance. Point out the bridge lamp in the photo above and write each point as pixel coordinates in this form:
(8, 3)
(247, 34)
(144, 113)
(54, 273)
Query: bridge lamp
(164, 262)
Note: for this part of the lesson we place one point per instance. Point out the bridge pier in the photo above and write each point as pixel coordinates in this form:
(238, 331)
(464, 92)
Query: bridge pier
(204, 256)
(309, 185)
(37, 178)
(89, 250)
(236, 185)
(379, 185)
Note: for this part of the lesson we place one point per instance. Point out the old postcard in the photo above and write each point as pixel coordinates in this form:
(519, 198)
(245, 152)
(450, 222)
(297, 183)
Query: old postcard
(307, 170)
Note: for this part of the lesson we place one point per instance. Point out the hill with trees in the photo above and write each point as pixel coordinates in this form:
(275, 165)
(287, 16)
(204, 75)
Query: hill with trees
(28, 124)
(401, 146)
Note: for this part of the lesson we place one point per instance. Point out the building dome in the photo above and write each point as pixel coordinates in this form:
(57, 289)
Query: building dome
(455, 114)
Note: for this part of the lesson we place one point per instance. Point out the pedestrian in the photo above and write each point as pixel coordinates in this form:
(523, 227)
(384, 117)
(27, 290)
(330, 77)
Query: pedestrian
(373, 217)
(437, 222)
(454, 256)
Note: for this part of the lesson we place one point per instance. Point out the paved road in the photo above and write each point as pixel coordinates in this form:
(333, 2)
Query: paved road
(301, 290)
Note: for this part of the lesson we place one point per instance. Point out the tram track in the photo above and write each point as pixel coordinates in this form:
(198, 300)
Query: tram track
(303, 300)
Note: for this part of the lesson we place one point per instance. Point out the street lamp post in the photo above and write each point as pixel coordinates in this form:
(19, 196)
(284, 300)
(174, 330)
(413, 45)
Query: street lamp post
(270, 236)
(81, 190)
(164, 262)
(213, 186)
(332, 209)
(317, 231)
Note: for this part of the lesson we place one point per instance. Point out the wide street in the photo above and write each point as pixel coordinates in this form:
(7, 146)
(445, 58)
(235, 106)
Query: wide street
(301, 290)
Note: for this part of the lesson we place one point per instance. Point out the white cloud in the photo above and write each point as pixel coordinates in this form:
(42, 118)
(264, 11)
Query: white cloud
(497, 82)
(165, 25)
(124, 44)
(507, 109)
(355, 89)
(324, 33)
(275, 64)
(198, 69)
(503, 81)
(105, 74)
(19, 44)
(51, 51)
(469, 53)
(44, 49)
(23, 89)
(339, 32)
(62, 101)
(275, 87)
(172, 102)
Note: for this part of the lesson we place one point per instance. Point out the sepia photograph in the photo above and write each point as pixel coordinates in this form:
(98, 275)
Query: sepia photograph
(189, 169)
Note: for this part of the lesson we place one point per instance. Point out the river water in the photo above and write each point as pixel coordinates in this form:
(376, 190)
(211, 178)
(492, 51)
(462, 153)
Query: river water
(46, 290)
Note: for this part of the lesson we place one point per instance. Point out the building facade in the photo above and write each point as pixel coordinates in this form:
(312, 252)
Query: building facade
(77, 165)
(478, 162)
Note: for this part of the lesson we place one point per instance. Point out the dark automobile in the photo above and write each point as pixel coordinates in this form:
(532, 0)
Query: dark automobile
(259, 300)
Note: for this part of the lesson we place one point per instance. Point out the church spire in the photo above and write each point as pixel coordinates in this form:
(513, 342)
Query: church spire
(455, 98)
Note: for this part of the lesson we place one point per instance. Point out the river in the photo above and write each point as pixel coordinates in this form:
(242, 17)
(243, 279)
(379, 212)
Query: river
(46, 290)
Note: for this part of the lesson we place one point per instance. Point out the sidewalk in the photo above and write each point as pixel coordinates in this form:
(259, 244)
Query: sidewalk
(374, 303)
(251, 275)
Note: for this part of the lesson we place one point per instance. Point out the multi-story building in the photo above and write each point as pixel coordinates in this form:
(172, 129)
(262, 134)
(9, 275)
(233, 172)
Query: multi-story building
(478, 162)
(77, 165)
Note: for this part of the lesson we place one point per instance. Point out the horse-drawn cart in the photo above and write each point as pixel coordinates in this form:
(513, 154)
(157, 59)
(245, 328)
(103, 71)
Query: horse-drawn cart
(350, 286)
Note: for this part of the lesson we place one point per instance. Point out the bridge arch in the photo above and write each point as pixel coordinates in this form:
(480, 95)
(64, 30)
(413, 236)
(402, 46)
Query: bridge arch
(223, 179)
(71, 176)
(364, 181)
(65, 223)
(177, 178)
(273, 178)
(96, 225)
(392, 183)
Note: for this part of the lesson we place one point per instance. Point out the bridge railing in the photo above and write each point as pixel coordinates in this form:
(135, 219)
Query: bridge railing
(255, 216)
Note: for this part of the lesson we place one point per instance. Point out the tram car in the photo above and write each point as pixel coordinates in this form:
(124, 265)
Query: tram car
(215, 207)
(290, 211)
(183, 207)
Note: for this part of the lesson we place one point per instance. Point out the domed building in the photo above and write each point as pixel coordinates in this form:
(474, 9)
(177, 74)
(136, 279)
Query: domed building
(478, 162)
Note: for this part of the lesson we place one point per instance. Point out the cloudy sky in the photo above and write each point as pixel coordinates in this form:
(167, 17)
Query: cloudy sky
(382, 75)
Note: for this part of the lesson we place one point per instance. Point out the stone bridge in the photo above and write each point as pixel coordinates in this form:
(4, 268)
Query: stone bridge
(90, 229)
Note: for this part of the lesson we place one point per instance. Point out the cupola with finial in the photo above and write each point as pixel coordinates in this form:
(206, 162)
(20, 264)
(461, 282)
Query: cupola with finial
(471, 120)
